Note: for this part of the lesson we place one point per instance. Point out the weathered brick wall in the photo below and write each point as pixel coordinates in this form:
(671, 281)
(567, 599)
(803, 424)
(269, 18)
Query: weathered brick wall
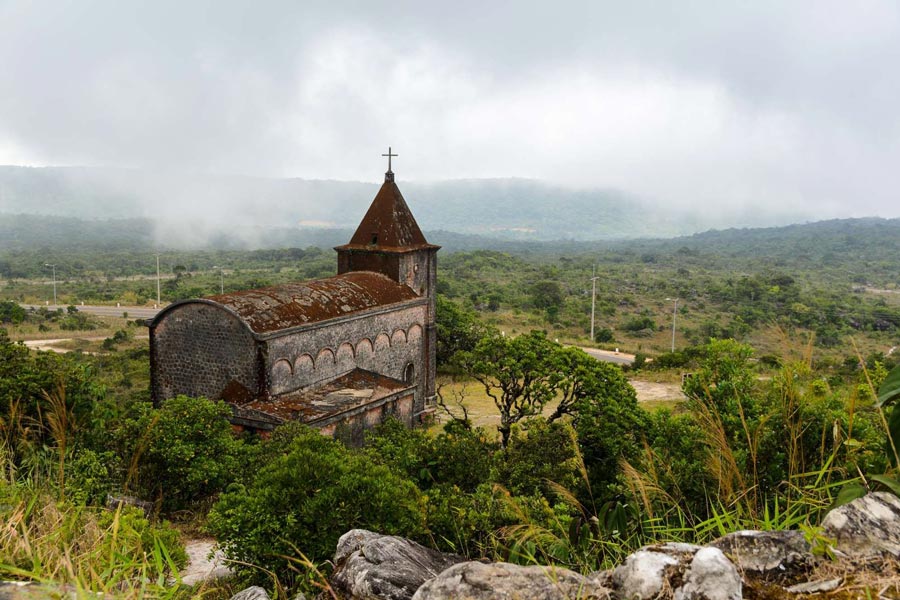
(198, 349)
(352, 429)
(386, 343)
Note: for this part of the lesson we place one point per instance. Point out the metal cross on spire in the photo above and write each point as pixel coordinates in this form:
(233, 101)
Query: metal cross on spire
(389, 176)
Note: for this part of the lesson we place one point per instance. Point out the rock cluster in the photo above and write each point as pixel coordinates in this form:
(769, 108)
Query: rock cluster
(370, 566)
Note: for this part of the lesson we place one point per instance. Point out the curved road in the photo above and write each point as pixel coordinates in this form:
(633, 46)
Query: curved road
(614, 357)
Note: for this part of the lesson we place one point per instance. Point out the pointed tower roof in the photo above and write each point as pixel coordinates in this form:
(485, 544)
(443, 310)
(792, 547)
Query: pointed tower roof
(389, 224)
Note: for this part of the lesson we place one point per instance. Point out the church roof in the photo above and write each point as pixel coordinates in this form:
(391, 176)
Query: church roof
(270, 309)
(388, 224)
(324, 401)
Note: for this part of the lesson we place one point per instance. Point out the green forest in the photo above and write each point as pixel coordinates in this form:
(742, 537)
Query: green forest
(781, 340)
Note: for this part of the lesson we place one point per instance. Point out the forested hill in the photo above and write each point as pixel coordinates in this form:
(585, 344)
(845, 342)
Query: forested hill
(874, 238)
(193, 207)
(855, 241)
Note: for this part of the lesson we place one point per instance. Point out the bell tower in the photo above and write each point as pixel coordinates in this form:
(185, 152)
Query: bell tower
(389, 241)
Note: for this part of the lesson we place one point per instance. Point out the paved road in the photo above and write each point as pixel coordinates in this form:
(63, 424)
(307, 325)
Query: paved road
(134, 312)
(613, 357)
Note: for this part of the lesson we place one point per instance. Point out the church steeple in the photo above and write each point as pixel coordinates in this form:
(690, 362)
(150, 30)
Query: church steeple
(389, 224)
(389, 241)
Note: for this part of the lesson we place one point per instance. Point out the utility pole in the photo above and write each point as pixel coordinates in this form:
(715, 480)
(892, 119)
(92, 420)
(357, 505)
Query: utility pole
(593, 298)
(158, 296)
(222, 281)
(54, 281)
(674, 314)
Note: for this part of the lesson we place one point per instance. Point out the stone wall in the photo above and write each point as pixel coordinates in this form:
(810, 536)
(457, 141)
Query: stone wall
(351, 429)
(390, 342)
(198, 349)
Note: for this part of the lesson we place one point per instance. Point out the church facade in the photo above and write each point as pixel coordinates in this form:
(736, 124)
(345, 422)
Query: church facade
(340, 354)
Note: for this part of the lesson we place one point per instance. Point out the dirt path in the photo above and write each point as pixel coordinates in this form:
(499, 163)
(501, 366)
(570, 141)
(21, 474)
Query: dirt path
(53, 345)
(648, 391)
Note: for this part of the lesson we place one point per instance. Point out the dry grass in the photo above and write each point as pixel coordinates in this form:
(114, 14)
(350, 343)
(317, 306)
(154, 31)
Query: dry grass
(106, 326)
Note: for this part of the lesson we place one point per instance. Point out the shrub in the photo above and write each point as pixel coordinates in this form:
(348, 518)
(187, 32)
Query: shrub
(604, 335)
(539, 453)
(310, 490)
(184, 451)
(639, 324)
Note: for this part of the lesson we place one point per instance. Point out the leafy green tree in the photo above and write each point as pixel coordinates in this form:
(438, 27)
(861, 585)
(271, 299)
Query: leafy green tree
(458, 330)
(725, 376)
(517, 373)
(547, 295)
(308, 492)
(11, 312)
(582, 377)
(26, 377)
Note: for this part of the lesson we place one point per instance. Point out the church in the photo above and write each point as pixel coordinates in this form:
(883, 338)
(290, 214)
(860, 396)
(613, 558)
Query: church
(340, 354)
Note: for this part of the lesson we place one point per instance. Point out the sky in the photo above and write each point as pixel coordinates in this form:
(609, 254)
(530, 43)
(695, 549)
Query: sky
(716, 106)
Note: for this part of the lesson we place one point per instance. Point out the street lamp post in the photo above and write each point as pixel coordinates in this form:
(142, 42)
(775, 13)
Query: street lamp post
(222, 280)
(674, 314)
(158, 295)
(54, 281)
(593, 299)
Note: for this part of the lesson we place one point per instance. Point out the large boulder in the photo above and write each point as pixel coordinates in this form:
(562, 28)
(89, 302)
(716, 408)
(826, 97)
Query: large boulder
(504, 581)
(647, 573)
(679, 571)
(868, 527)
(784, 557)
(711, 576)
(371, 566)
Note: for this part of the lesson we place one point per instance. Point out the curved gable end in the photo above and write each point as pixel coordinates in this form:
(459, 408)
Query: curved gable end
(271, 309)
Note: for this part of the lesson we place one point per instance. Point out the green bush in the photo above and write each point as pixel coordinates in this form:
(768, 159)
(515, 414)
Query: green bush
(604, 335)
(309, 491)
(639, 324)
(184, 451)
(88, 478)
(539, 454)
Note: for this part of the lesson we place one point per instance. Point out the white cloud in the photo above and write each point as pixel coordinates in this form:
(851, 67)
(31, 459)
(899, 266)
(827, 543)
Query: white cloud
(732, 107)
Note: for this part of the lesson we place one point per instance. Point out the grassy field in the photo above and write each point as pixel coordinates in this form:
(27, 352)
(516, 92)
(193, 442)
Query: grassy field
(461, 393)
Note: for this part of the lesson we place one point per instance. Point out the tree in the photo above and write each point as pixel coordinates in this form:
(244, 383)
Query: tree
(518, 374)
(583, 377)
(11, 312)
(458, 330)
(547, 295)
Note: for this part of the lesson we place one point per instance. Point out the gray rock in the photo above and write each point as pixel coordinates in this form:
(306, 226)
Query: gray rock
(251, 593)
(650, 571)
(504, 581)
(370, 566)
(816, 587)
(867, 527)
(782, 556)
(711, 576)
(114, 502)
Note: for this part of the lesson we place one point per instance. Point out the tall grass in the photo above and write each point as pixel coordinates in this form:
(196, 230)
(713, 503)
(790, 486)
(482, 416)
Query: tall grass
(48, 539)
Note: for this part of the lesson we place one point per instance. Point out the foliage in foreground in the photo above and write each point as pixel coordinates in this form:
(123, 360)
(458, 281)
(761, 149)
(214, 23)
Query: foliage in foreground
(119, 553)
(308, 492)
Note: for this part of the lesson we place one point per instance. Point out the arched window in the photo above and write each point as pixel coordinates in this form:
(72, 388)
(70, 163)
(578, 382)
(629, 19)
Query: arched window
(409, 374)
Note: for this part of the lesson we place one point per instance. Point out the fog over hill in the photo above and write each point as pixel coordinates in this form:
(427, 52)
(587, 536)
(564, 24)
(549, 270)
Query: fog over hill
(189, 209)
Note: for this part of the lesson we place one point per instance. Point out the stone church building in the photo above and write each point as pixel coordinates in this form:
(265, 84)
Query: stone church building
(340, 354)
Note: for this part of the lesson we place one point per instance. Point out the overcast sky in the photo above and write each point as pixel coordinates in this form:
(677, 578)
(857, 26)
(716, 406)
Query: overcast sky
(714, 104)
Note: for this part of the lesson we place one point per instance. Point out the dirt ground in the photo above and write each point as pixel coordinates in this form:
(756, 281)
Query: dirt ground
(649, 391)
